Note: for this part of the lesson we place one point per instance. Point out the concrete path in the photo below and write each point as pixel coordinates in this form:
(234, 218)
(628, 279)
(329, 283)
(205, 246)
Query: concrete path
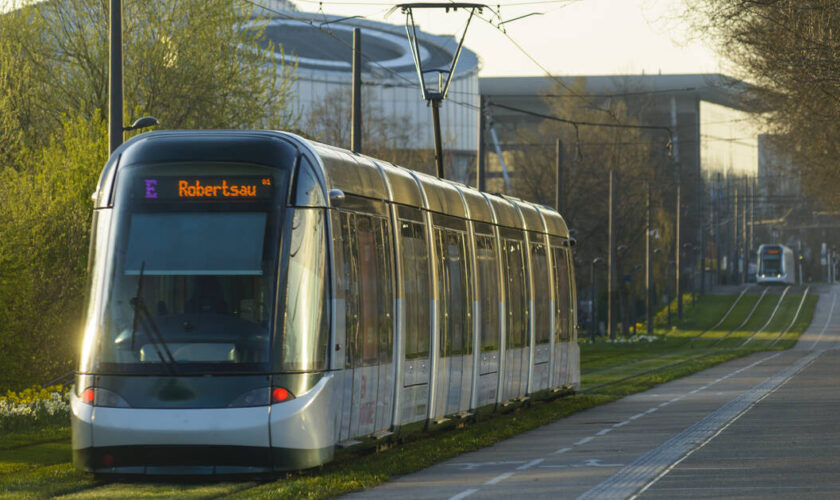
(765, 425)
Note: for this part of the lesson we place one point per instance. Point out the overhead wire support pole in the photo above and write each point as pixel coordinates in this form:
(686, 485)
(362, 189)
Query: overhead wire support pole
(678, 209)
(356, 130)
(115, 78)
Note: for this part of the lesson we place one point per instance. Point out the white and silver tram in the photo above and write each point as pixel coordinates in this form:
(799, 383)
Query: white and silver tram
(776, 265)
(257, 300)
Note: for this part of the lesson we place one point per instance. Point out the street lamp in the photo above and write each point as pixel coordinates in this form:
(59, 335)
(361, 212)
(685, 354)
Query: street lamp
(593, 317)
(145, 122)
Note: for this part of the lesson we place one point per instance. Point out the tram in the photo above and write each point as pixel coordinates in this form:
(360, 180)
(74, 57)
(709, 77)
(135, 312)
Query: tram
(776, 265)
(258, 300)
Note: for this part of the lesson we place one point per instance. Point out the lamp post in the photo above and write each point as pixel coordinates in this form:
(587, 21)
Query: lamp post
(632, 307)
(689, 247)
(671, 263)
(593, 316)
(620, 290)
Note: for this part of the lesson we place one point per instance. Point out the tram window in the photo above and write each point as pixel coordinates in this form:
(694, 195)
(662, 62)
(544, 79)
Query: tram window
(562, 302)
(368, 292)
(206, 243)
(304, 343)
(415, 262)
(517, 295)
(542, 293)
(488, 286)
(455, 295)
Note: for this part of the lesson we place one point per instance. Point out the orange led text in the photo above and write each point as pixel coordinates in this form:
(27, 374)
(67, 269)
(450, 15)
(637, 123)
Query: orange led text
(223, 190)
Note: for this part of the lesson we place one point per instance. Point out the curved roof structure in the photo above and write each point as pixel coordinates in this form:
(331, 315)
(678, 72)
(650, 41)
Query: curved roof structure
(323, 43)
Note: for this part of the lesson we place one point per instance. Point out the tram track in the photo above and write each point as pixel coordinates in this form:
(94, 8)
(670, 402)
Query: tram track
(725, 315)
(689, 342)
(746, 320)
(772, 315)
(793, 321)
(711, 352)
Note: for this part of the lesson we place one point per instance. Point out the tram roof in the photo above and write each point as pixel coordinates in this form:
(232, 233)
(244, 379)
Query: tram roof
(352, 173)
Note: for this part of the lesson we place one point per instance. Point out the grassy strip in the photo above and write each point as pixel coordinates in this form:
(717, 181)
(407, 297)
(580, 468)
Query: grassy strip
(33, 436)
(707, 311)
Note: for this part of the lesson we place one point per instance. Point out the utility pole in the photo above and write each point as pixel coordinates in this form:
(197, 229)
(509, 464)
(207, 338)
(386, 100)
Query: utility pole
(744, 231)
(559, 194)
(701, 254)
(480, 165)
(115, 78)
(677, 245)
(717, 218)
(356, 130)
(611, 257)
(649, 265)
(736, 226)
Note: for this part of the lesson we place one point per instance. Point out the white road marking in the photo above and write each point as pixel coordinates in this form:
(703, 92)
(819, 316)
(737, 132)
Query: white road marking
(621, 424)
(530, 464)
(603, 431)
(591, 462)
(464, 494)
(561, 451)
(499, 478)
(584, 441)
(476, 465)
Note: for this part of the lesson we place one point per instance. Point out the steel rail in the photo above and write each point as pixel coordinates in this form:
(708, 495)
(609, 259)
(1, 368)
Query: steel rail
(772, 315)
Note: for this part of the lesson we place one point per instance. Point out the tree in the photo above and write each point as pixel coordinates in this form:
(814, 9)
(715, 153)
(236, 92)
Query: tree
(790, 50)
(590, 152)
(190, 63)
(384, 137)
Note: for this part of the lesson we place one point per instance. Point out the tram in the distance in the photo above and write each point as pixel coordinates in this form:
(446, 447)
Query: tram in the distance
(776, 265)
(258, 300)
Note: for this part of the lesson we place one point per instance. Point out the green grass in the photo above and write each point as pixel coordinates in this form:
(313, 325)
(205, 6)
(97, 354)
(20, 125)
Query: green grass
(36, 464)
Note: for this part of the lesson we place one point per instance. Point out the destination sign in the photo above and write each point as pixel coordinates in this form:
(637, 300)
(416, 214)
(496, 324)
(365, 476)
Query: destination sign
(205, 188)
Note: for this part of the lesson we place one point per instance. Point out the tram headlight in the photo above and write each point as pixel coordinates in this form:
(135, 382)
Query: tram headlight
(256, 397)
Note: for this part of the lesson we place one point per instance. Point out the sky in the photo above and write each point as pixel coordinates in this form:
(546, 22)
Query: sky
(568, 37)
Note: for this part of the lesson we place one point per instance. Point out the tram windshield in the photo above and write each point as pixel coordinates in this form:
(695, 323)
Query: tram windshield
(193, 271)
(771, 262)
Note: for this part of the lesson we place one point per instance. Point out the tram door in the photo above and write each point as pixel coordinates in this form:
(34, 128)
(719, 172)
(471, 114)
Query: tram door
(562, 317)
(487, 274)
(368, 299)
(417, 300)
(454, 373)
(542, 313)
(517, 346)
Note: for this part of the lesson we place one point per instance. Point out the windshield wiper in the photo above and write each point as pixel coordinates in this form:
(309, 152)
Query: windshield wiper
(141, 313)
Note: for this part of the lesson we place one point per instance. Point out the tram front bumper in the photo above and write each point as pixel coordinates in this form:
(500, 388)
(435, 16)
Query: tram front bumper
(170, 441)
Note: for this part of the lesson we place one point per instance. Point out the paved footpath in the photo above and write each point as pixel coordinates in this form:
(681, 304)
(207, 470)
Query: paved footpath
(767, 425)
